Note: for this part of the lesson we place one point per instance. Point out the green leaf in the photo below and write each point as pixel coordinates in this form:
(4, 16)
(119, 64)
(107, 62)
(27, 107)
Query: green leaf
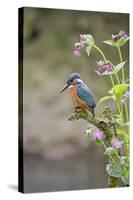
(118, 43)
(88, 39)
(88, 49)
(110, 151)
(122, 41)
(89, 131)
(125, 179)
(123, 133)
(105, 98)
(119, 90)
(113, 170)
(98, 142)
(111, 91)
(119, 67)
(110, 42)
(106, 73)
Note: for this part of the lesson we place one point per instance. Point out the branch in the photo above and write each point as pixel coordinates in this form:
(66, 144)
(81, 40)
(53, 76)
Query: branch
(106, 125)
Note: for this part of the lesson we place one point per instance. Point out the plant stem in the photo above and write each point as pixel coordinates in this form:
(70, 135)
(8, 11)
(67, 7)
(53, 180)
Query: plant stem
(112, 81)
(126, 109)
(119, 50)
(111, 77)
(117, 77)
(122, 115)
(123, 77)
(121, 60)
(118, 106)
(110, 155)
(99, 50)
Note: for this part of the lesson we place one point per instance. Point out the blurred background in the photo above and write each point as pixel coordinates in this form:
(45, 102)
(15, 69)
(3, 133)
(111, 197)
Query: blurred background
(57, 153)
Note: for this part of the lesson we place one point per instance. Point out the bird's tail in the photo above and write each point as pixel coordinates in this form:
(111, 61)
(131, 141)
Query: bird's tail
(91, 109)
(93, 112)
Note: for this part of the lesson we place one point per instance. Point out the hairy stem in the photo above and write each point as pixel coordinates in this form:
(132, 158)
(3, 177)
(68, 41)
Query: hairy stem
(120, 55)
(99, 50)
(126, 109)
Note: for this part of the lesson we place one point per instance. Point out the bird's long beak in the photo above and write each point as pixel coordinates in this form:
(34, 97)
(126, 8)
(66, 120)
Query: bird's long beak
(65, 87)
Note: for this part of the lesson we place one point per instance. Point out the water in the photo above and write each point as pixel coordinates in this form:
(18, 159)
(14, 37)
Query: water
(71, 173)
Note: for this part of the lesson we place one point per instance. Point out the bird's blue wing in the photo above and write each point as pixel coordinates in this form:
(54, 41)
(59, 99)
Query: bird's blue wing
(85, 94)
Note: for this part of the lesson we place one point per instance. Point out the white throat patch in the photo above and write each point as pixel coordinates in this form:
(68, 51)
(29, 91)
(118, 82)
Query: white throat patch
(71, 86)
(79, 80)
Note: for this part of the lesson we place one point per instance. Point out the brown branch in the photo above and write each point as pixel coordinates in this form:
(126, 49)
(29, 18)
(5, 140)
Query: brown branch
(106, 125)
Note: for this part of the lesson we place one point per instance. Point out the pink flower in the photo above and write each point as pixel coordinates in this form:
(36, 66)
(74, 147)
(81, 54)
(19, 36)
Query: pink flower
(97, 135)
(123, 100)
(76, 52)
(123, 34)
(118, 36)
(104, 66)
(82, 43)
(117, 144)
(97, 72)
(78, 46)
(126, 94)
(115, 37)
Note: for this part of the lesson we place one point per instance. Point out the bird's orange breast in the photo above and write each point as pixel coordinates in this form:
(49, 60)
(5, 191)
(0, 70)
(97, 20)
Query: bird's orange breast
(77, 101)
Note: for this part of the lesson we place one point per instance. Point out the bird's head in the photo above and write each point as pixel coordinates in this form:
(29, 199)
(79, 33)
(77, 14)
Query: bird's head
(73, 79)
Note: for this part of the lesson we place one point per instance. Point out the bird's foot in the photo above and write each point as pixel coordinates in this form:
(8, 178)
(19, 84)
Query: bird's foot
(78, 109)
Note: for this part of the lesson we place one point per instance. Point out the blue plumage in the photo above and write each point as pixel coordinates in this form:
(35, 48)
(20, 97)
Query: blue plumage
(85, 94)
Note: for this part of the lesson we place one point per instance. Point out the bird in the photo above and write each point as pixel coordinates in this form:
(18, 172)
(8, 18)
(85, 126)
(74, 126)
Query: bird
(81, 95)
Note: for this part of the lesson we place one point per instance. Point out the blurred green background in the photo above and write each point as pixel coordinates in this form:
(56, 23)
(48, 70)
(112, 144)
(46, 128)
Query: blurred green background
(57, 153)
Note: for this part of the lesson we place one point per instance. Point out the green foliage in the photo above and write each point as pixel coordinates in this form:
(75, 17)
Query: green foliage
(116, 171)
(98, 142)
(119, 90)
(89, 131)
(113, 170)
(118, 43)
(105, 98)
(110, 42)
(125, 179)
(88, 49)
(117, 133)
(106, 73)
(123, 133)
(110, 151)
(116, 93)
(118, 67)
(122, 41)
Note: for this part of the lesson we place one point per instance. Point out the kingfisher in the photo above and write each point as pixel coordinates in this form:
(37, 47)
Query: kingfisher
(81, 95)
